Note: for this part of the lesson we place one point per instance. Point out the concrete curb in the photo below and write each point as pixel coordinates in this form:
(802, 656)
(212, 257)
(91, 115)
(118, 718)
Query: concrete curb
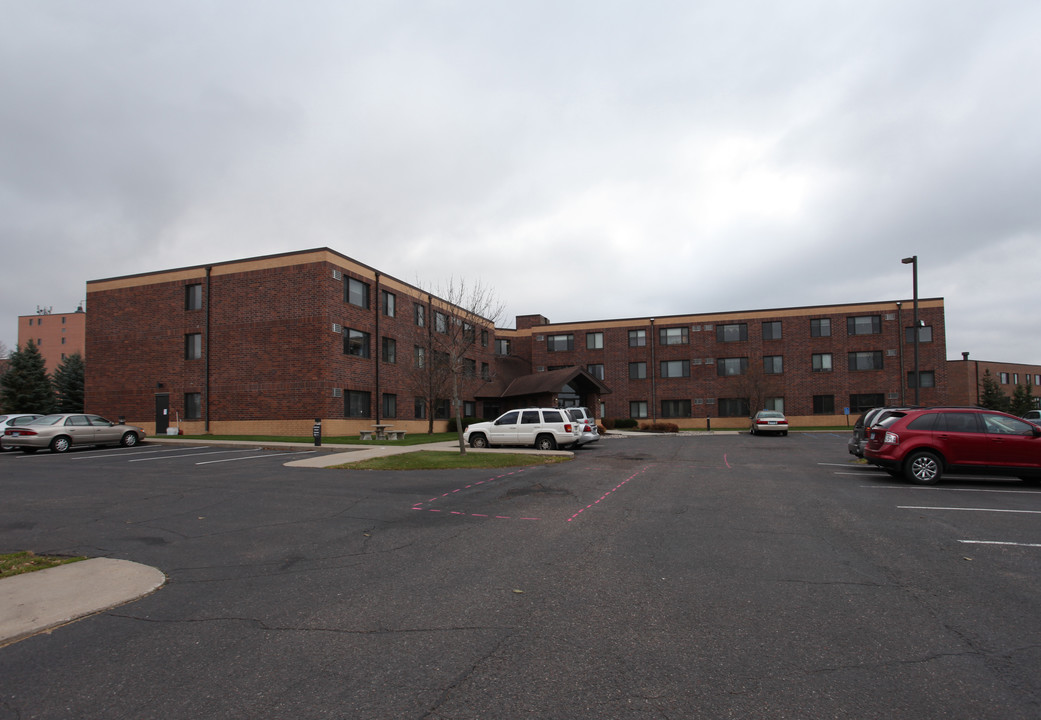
(43, 600)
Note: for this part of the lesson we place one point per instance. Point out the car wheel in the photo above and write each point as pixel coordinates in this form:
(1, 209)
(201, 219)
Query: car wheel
(751, 431)
(545, 442)
(129, 439)
(923, 468)
(60, 444)
(478, 441)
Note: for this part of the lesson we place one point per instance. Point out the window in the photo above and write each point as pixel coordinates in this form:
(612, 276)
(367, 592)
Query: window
(419, 408)
(390, 405)
(389, 303)
(193, 346)
(638, 408)
(596, 370)
(486, 373)
(925, 334)
(820, 327)
(866, 401)
(1004, 378)
(356, 404)
(638, 371)
(870, 360)
(928, 378)
(772, 331)
(675, 408)
(733, 407)
(484, 338)
(773, 365)
(390, 350)
(419, 314)
(502, 347)
(728, 367)
(865, 325)
(774, 403)
(469, 368)
(822, 362)
(560, 343)
(440, 322)
(675, 368)
(192, 297)
(594, 341)
(355, 342)
(419, 356)
(823, 404)
(469, 408)
(442, 409)
(193, 406)
(732, 333)
(673, 336)
(637, 338)
(356, 292)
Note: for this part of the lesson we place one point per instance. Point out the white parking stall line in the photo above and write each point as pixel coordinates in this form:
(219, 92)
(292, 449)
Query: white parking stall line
(210, 452)
(952, 489)
(963, 509)
(1000, 542)
(252, 457)
(110, 453)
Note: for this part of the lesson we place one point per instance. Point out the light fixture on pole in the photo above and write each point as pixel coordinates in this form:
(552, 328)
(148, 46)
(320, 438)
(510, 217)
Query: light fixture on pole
(913, 262)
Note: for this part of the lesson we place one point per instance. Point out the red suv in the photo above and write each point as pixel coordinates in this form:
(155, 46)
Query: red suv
(925, 443)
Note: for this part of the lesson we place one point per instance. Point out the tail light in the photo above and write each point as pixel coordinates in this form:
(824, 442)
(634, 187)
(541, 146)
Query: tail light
(891, 438)
(12, 432)
(567, 427)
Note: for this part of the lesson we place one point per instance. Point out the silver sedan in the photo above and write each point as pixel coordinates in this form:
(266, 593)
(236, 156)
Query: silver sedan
(61, 432)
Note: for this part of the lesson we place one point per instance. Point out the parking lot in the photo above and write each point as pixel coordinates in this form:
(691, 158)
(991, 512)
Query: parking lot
(708, 576)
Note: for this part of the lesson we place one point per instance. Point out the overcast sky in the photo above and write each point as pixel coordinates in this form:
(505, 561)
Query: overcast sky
(589, 160)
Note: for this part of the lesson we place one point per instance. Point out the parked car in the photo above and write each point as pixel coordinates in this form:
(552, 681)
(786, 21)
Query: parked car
(925, 443)
(856, 443)
(583, 417)
(1033, 416)
(543, 428)
(61, 432)
(769, 421)
(14, 420)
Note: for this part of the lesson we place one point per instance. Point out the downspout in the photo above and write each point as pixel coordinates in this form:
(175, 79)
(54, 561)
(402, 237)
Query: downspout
(900, 344)
(209, 297)
(654, 401)
(378, 349)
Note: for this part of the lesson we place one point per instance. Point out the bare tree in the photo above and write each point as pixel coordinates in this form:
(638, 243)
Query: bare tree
(462, 311)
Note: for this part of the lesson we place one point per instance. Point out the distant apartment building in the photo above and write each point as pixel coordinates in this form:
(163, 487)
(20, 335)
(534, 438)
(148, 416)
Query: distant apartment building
(269, 344)
(965, 378)
(57, 335)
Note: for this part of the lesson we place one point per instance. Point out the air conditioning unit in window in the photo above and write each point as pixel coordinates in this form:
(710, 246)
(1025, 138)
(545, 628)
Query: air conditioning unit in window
(337, 392)
(891, 353)
(890, 316)
(337, 328)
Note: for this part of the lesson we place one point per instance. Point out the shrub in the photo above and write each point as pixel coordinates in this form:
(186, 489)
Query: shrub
(623, 423)
(660, 427)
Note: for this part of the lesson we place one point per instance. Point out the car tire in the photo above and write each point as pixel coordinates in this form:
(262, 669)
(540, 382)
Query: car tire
(751, 431)
(923, 468)
(545, 442)
(478, 441)
(129, 439)
(61, 444)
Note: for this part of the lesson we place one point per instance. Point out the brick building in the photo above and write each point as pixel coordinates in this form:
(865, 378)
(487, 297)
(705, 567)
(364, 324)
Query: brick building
(965, 378)
(810, 362)
(266, 345)
(56, 335)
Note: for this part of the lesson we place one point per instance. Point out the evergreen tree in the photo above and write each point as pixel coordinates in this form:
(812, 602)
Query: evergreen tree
(25, 387)
(68, 384)
(992, 396)
(1022, 399)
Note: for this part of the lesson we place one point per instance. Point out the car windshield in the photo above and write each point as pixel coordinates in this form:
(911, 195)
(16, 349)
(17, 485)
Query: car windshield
(771, 414)
(49, 420)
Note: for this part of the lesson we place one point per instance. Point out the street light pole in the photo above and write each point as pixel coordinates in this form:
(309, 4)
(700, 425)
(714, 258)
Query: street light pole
(913, 262)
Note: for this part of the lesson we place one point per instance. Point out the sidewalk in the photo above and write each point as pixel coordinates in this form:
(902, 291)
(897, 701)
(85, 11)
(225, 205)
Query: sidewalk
(39, 601)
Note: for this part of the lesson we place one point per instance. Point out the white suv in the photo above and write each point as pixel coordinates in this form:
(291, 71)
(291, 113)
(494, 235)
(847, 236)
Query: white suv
(543, 428)
(588, 431)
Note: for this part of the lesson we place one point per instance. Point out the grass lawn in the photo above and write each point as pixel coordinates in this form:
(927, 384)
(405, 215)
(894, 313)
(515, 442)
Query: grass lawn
(23, 562)
(428, 460)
